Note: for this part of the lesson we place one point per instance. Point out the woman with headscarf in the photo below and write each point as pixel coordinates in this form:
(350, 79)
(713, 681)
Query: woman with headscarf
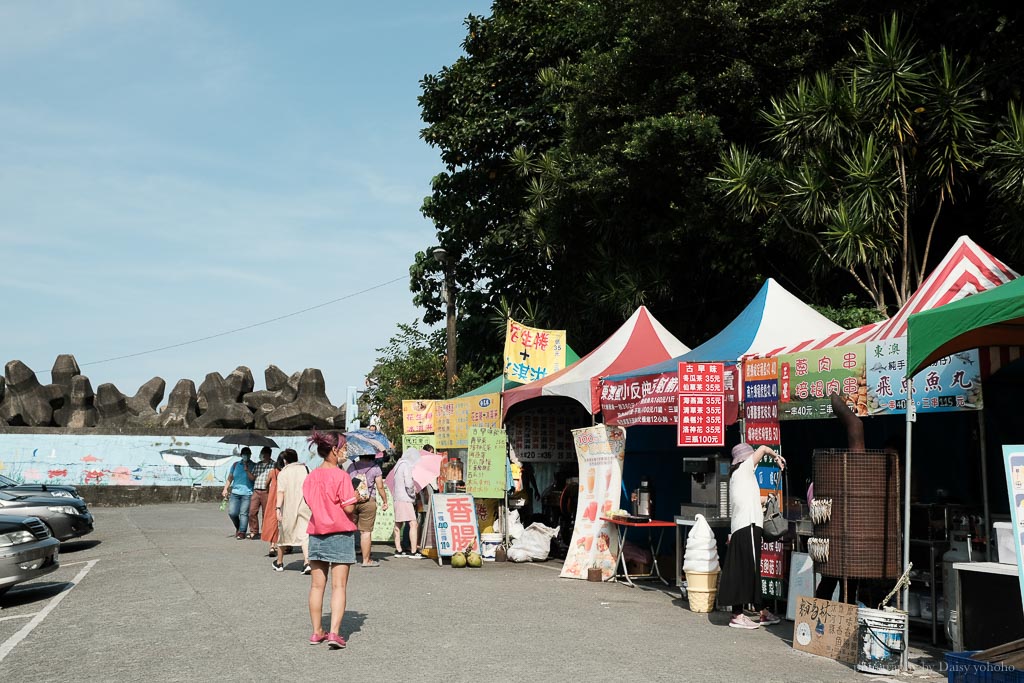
(741, 573)
(292, 511)
(332, 544)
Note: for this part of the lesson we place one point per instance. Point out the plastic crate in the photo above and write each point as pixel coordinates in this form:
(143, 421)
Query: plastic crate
(960, 668)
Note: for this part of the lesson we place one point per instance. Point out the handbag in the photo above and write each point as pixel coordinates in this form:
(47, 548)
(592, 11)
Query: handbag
(775, 525)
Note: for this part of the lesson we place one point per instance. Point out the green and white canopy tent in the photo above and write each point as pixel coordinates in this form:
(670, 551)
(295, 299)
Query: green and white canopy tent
(991, 318)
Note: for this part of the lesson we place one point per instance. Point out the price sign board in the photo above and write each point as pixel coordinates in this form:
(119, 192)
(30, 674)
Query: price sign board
(455, 523)
(701, 404)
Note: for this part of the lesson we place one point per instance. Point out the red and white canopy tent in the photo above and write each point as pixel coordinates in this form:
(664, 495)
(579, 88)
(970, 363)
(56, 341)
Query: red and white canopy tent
(640, 341)
(967, 269)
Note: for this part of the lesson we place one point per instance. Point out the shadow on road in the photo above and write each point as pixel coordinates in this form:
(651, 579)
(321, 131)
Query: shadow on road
(351, 623)
(78, 546)
(33, 592)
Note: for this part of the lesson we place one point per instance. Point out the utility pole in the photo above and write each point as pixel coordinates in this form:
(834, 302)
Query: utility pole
(448, 294)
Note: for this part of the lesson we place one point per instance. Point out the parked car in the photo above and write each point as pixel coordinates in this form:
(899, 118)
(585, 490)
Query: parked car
(58, 490)
(66, 517)
(27, 550)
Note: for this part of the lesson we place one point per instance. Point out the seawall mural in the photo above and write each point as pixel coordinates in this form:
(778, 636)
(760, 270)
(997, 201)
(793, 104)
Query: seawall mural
(124, 460)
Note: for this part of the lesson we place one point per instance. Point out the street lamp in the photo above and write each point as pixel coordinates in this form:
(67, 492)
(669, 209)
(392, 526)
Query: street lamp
(448, 295)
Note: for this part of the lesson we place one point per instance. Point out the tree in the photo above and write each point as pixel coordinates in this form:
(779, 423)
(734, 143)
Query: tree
(577, 137)
(862, 160)
(411, 367)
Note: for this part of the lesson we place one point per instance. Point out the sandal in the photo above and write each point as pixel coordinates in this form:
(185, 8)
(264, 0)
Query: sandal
(374, 563)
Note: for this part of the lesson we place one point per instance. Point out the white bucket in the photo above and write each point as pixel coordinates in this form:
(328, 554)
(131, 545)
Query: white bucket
(880, 635)
(488, 544)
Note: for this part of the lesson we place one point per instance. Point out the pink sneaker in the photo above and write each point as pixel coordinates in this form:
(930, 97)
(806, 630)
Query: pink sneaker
(743, 621)
(335, 642)
(317, 639)
(768, 619)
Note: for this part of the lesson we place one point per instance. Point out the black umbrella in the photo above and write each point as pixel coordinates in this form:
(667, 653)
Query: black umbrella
(249, 439)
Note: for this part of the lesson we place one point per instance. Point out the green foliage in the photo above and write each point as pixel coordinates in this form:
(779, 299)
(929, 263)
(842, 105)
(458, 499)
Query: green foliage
(861, 161)
(410, 367)
(850, 312)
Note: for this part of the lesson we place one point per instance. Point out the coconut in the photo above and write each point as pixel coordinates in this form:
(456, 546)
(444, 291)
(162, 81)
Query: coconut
(474, 560)
(458, 560)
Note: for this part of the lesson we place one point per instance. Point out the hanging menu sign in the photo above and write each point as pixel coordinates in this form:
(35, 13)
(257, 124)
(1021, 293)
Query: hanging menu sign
(701, 404)
(485, 462)
(761, 401)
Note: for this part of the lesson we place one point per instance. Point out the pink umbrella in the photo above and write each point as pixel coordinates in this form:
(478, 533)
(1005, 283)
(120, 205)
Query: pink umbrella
(426, 469)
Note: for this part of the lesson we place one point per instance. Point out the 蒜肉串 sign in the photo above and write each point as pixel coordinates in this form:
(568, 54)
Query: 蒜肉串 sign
(600, 451)
(486, 461)
(761, 401)
(807, 379)
(418, 417)
(455, 523)
(453, 418)
(773, 564)
(532, 354)
(949, 384)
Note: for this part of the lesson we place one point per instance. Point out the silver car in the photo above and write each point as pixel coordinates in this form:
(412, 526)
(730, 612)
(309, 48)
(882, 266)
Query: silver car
(66, 518)
(27, 550)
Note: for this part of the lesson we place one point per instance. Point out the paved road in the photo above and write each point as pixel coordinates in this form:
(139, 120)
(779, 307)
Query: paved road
(163, 594)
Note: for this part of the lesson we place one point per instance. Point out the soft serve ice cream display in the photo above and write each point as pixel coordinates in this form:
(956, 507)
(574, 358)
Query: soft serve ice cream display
(700, 562)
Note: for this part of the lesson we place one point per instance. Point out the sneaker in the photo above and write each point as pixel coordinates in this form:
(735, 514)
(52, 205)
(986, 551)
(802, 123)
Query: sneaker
(306, 569)
(278, 566)
(239, 536)
(317, 639)
(335, 642)
(743, 621)
(415, 556)
(768, 619)
(401, 553)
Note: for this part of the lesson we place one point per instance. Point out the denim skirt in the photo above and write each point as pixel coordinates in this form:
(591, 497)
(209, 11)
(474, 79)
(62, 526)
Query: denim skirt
(339, 548)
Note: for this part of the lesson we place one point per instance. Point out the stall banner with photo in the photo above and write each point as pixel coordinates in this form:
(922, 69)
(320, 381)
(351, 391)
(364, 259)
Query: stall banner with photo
(1013, 457)
(486, 462)
(455, 523)
(826, 628)
(761, 401)
(532, 354)
(949, 384)
(808, 378)
(654, 399)
(600, 451)
(453, 418)
(701, 404)
(418, 416)
(545, 434)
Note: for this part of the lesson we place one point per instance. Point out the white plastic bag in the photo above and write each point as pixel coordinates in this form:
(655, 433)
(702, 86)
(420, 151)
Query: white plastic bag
(533, 544)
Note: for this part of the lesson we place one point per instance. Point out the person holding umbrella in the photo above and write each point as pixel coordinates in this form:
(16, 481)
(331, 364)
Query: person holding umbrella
(239, 483)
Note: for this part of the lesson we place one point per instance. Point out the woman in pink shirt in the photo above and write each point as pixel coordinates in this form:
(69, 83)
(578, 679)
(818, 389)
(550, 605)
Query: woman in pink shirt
(331, 499)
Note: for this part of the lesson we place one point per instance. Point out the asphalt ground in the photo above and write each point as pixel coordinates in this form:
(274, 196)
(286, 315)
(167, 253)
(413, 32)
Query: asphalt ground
(165, 593)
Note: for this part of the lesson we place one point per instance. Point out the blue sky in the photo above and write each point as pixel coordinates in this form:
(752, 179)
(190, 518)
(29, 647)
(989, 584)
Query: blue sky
(170, 170)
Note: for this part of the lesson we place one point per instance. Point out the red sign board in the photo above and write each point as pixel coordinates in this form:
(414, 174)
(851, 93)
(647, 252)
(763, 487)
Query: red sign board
(701, 404)
(701, 420)
(702, 378)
